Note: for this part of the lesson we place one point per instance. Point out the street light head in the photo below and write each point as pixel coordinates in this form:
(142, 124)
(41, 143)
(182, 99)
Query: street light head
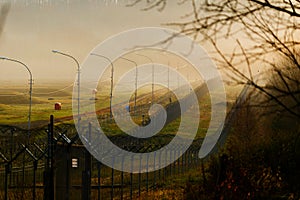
(3, 58)
(55, 51)
(94, 54)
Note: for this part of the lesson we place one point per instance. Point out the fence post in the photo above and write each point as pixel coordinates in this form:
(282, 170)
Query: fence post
(140, 174)
(182, 162)
(189, 159)
(165, 168)
(122, 178)
(7, 170)
(34, 179)
(159, 165)
(11, 151)
(49, 173)
(198, 160)
(23, 177)
(99, 184)
(195, 157)
(175, 160)
(131, 177)
(52, 158)
(186, 160)
(178, 162)
(68, 167)
(170, 173)
(147, 175)
(154, 171)
(203, 173)
(112, 179)
(86, 175)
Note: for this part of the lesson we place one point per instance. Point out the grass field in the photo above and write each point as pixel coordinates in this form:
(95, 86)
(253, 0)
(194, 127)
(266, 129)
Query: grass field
(14, 102)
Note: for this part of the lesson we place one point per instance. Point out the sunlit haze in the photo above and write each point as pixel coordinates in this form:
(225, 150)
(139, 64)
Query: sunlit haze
(32, 29)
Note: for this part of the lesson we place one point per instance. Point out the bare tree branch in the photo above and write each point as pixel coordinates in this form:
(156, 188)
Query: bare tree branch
(281, 9)
(262, 33)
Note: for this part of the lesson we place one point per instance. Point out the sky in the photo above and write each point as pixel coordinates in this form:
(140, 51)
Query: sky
(32, 28)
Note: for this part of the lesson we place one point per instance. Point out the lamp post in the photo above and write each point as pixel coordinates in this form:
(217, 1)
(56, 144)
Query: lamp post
(78, 83)
(152, 87)
(166, 55)
(136, 78)
(30, 90)
(169, 80)
(177, 69)
(111, 80)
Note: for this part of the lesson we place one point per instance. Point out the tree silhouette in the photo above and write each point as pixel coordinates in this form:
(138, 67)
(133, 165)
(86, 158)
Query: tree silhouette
(261, 33)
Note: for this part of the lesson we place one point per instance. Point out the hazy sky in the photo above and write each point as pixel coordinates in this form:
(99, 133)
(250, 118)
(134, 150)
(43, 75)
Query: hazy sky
(32, 29)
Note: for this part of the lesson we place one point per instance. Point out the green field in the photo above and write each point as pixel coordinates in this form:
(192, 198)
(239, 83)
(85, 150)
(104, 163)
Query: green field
(14, 102)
